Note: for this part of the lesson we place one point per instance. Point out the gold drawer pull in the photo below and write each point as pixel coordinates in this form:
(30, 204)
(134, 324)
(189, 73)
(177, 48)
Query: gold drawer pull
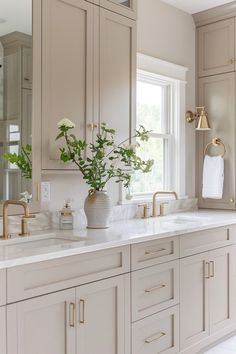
(72, 315)
(155, 337)
(155, 288)
(81, 311)
(155, 252)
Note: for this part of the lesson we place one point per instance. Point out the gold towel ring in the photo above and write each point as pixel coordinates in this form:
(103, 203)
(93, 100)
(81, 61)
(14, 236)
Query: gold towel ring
(216, 142)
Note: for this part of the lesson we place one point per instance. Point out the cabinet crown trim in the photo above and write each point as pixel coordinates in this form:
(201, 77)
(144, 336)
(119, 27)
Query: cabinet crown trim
(216, 14)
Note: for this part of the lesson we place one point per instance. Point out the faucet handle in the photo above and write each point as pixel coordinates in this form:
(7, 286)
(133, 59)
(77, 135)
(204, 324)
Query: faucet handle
(24, 224)
(145, 210)
(163, 209)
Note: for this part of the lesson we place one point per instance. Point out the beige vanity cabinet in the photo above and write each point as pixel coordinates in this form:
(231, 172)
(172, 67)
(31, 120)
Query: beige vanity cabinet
(207, 293)
(66, 74)
(3, 330)
(103, 323)
(42, 325)
(93, 318)
(117, 72)
(126, 8)
(217, 93)
(216, 48)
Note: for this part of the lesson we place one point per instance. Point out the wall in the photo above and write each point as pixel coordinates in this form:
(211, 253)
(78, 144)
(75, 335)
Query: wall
(169, 34)
(166, 33)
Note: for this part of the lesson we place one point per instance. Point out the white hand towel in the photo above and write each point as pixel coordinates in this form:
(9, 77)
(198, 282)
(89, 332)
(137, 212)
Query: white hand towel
(213, 177)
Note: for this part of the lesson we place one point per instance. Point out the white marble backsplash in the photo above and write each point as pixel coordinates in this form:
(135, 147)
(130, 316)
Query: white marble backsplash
(49, 220)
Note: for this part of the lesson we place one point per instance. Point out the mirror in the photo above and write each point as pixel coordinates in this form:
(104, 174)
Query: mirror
(15, 98)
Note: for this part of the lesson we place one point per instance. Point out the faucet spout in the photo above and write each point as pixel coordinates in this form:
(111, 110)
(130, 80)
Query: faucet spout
(154, 207)
(24, 205)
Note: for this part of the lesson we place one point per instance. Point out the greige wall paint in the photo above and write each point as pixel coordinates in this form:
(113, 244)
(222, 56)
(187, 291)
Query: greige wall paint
(169, 34)
(166, 33)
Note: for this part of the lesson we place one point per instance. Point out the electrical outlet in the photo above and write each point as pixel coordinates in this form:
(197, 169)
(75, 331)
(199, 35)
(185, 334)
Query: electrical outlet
(45, 192)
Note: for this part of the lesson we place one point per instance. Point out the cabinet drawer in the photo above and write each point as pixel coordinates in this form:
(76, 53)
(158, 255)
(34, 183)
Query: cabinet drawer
(203, 241)
(45, 277)
(150, 253)
(154, 289)
(2, 287)
(157, 334)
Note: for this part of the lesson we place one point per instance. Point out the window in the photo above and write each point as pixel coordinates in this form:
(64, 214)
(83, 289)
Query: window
(161, 108)
(153, 112)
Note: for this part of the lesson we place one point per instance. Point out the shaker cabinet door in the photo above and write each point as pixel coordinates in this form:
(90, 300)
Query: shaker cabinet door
(67, 69)
(43, 325)
(216, 43)
(117, 72)
(194, 306)
(103, 317)
(222, 288)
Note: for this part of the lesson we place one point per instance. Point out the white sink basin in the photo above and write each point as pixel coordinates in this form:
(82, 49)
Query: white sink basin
(182, 220)
(38, 244)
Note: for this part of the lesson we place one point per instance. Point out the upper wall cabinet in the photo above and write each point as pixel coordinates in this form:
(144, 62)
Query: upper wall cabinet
(216, 48)
(67, 67)
(123, 7)
(88, 72)
(117, 72)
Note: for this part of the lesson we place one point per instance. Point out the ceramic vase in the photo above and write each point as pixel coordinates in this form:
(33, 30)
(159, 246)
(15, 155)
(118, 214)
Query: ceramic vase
(97, 207)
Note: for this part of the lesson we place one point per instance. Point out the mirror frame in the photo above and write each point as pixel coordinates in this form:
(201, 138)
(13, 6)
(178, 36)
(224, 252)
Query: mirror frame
(36, 113)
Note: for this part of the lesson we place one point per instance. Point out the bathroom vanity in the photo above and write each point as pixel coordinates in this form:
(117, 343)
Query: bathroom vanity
(164, 285)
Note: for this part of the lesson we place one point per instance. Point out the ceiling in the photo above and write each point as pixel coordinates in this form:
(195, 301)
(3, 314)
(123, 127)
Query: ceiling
(193, 6)
(16, 15)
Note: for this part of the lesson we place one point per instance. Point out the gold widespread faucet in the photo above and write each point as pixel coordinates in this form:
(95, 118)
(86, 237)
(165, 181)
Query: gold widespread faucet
(154, 207)
(24, 225)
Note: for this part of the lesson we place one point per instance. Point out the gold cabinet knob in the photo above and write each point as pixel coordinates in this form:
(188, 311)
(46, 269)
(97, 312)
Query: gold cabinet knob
(232, 200)
(232, 61)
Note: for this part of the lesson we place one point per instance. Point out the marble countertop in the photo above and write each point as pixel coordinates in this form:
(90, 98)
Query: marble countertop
(17, 251)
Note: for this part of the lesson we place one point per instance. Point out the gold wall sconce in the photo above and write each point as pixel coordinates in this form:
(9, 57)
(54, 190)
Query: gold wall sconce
(200, 116)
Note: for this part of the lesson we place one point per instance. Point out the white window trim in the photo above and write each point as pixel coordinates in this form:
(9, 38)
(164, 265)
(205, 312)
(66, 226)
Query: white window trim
(176, 74)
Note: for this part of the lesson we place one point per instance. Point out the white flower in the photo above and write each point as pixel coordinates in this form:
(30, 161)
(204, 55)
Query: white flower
(65, 122)
(26, 197)
(132, 147)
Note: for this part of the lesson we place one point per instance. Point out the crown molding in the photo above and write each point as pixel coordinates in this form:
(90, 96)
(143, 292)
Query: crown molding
(216, 14)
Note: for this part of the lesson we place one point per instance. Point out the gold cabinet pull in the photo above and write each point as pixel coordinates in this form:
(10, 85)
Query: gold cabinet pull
(212, 269)
(155, 337)
(81, 311)
(207, 270)
(155, 252)
(72, 315)
(155, 288)
(232, 61)
(92, 126)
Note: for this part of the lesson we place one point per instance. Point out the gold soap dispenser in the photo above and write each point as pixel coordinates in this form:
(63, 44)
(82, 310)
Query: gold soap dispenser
(66, 217)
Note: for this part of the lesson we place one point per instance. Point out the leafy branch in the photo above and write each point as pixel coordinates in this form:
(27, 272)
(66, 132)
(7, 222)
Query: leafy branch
(23, 160)
(106, 160)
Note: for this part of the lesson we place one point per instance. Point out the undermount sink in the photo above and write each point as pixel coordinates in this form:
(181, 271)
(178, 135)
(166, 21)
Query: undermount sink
(39, 244)
(181, 220)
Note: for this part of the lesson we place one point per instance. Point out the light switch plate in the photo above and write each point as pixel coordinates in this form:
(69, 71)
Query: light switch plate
(45, 192)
